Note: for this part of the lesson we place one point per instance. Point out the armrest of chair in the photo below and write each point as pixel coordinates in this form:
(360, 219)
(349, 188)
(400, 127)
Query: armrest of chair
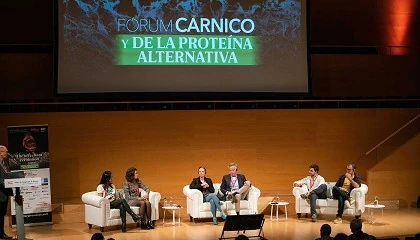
(154, 197)
(254, 192)
(253, 195)
(194, 201)
(93, 199)
(359, 194)
(297, 191)
(193, 194)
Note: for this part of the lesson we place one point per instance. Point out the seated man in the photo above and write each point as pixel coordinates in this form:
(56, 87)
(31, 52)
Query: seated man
(316, 188)
(235, 186)
(342, 189)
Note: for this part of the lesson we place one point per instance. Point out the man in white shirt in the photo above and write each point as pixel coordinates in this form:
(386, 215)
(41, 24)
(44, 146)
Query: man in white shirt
(317, 189)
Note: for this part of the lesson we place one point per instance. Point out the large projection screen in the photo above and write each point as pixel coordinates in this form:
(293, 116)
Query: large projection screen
(181, 46)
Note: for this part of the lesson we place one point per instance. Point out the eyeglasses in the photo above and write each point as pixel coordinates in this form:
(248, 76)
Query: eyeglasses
(349, 169)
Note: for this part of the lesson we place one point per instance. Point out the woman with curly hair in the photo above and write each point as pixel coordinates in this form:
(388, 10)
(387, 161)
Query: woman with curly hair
(132, 195)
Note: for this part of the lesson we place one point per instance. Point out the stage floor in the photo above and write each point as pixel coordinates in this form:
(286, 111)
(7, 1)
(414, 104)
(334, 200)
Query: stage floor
(396, 223)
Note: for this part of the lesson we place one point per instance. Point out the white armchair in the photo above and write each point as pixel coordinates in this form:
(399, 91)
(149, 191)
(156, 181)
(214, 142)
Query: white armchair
(330, 205)
(196, 208)
(99, 213)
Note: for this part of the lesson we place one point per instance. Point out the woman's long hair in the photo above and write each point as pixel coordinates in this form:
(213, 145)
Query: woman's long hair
(129, 175)
(105, 180)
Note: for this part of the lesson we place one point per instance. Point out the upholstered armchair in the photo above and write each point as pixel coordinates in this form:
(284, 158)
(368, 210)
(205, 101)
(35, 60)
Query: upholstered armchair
(99, 213)
(196, 208)
(330, 205)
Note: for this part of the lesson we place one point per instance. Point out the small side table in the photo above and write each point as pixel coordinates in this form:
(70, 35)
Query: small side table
(173, 208)
(277, 204)
(370, 208)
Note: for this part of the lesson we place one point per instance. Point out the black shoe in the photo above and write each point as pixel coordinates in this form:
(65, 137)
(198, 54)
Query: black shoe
(124, 227)
(136, 218)
(144, 225)
(150, 224)
(5, 236)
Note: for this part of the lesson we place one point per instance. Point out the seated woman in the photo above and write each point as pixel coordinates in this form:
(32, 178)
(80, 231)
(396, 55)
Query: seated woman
(132, 187)
(107, 190)
(205, 185)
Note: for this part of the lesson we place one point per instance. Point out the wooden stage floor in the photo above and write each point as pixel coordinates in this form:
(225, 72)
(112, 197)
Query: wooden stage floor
(396, 223)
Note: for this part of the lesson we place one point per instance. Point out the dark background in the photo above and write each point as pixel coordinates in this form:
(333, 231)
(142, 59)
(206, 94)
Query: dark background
(359, 49)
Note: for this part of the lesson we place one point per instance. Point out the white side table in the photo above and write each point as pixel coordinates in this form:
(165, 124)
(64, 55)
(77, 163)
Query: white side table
(277, 204)
(173, 208)
(370, 208)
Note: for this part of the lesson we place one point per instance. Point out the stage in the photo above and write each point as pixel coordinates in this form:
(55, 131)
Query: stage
(396, 223)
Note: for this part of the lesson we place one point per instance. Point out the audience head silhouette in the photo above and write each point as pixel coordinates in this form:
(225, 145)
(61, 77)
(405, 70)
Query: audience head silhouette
(241, 237)
(97, 236)
(325, 230)
(341, 236)
(355, 226)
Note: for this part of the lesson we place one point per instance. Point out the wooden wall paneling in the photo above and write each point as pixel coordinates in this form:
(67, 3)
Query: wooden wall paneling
(396, 177)
(272, 147)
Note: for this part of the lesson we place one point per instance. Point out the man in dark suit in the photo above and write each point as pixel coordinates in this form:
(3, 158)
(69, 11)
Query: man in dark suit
(4, 192)
(235, 186)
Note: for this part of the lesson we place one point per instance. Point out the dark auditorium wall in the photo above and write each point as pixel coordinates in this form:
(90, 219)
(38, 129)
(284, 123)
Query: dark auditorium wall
(26, 43)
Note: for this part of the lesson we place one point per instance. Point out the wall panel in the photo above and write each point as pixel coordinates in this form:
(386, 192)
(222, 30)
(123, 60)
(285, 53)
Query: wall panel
(272, 147)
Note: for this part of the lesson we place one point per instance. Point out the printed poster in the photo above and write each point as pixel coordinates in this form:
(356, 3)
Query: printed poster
(29, 152)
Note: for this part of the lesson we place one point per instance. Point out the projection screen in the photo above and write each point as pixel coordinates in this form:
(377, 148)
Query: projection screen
(188, 46)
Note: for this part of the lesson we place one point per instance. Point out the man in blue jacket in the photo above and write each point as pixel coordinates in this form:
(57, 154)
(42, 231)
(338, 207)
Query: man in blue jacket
(235, 186)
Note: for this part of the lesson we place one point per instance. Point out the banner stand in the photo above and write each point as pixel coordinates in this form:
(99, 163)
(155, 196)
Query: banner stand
(29, 176)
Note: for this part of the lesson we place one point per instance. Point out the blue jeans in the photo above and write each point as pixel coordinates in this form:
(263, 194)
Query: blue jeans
(341, 196)
(214, 203)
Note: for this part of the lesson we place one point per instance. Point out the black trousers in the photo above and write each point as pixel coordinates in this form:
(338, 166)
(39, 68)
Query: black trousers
(3, 211)
(341, 196)
(123, 206)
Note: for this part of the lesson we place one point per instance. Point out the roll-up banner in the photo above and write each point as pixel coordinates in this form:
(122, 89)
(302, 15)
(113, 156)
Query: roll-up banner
(29, 152)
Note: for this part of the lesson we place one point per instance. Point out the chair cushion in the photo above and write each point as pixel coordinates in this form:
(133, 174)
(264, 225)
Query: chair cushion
(205, 206)
(119, 193)
(330, 186)
(114, 213)
(244, 204)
